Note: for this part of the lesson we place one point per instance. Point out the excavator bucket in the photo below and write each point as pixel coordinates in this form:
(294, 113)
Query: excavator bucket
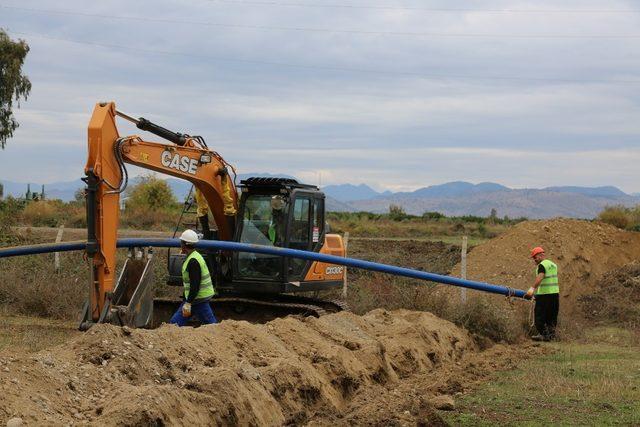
(131, 303)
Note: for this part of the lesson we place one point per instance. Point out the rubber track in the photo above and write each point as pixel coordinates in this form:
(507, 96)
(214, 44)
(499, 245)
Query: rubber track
(329, 306)
(311, 309)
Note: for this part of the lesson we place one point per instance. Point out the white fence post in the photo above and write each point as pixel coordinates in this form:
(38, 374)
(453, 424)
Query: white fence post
(344, 284)
(463, 269)
(56, 256)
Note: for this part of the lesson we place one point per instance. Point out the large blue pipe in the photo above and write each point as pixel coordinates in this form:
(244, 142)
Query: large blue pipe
(42, 249)
(283, 252)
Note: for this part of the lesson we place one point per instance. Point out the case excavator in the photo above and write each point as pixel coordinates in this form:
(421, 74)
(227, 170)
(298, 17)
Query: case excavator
(260, 210)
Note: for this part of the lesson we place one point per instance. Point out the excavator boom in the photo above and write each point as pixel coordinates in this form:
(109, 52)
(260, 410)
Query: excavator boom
(184, 157)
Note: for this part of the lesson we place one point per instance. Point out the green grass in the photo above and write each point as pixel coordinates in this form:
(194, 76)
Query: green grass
(592, 382)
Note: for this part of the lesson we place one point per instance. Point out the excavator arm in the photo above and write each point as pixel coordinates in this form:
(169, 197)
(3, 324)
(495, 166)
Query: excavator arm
(183, 157)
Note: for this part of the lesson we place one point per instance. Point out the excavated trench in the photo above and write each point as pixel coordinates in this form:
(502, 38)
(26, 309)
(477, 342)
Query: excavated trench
(287, 371)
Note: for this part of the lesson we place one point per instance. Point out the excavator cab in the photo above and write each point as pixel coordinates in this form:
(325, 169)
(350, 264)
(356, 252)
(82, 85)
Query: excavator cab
(277, 212)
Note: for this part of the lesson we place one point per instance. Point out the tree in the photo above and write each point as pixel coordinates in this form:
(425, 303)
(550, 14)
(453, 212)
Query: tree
(493, 216)
(397, 213)
(151, 194)
(1, 190)
(618, 216)
(78, 196)
(432, 215)
(13, 84)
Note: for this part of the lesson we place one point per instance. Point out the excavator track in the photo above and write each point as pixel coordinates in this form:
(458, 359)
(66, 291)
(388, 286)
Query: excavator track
(254, 309)
(295, 308)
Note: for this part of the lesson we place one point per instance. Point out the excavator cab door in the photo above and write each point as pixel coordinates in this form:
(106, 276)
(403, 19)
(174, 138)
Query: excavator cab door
(261, 224)
(304, 230)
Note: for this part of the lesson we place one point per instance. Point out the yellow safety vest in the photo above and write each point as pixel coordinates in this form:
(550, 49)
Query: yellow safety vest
(548, 285)
(206, 290)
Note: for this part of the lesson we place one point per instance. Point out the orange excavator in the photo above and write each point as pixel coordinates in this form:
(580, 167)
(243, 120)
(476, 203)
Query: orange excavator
(267, 211)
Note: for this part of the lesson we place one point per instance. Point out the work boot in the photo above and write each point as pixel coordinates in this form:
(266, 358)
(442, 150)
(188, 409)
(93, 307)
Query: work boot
(538, 338)
(204, 222)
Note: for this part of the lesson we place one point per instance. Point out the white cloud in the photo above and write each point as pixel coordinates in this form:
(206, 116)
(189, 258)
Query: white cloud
(555, 121)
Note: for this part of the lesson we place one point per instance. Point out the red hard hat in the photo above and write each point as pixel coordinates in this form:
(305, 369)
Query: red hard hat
(537, 250)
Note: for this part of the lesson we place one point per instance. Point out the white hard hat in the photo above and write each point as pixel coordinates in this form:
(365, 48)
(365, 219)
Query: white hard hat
(189, 236)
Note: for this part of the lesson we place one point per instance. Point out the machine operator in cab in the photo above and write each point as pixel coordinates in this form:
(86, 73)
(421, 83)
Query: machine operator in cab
(197, 282)
(276, 222)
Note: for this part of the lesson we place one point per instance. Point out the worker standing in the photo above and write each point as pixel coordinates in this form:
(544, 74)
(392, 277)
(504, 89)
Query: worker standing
(546, 292)
(197, 282)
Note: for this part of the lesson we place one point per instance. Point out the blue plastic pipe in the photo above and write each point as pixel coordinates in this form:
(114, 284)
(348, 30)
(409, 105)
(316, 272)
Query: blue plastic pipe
(42, 249)
(282, 252)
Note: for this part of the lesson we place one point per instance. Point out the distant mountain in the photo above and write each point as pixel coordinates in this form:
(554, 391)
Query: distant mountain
(608, 191)
(349, 192)
(334, 205)
(514, 203)
(453, 198)
(453, 189)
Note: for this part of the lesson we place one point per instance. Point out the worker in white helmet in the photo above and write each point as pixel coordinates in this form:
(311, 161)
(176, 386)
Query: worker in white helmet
(197, 282)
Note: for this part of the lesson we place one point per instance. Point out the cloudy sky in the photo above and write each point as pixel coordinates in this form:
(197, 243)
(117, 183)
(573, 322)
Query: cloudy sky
(398, 94)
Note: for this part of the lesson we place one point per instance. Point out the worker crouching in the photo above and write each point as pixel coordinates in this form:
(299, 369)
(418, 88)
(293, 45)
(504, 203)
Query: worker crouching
(197, 282)
(546, 291)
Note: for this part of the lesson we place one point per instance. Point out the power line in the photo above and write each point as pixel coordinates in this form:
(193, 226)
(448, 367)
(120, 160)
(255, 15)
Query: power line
(327, 30)
(434, 76)
(410, 8)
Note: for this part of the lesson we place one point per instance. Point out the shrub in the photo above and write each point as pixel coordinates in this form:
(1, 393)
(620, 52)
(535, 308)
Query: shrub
(397, 213)
(42, 213)
(433, 216)
(481, 317)
(11, 207)
(618, 216)
(151, 194)
(150, 204)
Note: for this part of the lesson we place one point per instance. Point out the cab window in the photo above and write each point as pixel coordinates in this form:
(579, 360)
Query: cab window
(262, 224)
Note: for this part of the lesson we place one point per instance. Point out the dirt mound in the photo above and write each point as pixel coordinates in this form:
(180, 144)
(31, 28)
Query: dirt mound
(286, 371)
(617, 298)
(583, 250)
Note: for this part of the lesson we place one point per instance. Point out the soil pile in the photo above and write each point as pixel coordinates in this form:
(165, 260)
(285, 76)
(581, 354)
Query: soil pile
(286, 371)
(584, 251)
(617, 297)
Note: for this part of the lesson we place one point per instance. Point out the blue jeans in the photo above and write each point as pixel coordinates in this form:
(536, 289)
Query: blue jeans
(201, 311)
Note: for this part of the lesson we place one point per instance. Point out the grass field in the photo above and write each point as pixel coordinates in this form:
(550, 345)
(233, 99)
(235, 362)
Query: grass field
(593, 381)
